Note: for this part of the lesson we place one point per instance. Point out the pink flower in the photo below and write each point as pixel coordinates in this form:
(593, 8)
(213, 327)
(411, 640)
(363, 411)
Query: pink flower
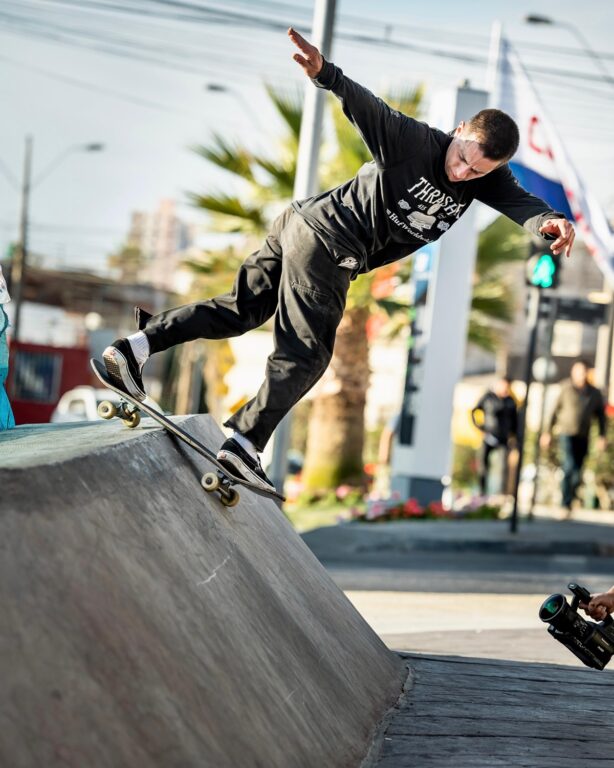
(342, 491)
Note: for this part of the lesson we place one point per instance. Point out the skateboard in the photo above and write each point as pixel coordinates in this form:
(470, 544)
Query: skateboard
(129, 411)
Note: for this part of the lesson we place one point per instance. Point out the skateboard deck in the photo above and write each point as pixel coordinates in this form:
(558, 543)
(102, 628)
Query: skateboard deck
(128, 410)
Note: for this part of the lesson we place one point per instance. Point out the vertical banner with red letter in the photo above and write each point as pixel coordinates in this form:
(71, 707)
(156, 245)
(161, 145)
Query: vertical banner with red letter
(542, 164)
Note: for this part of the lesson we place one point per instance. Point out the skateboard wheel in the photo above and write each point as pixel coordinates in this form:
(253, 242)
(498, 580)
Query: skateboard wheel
(133, 420)
(230, 500)
(106, 410)
(210, 482)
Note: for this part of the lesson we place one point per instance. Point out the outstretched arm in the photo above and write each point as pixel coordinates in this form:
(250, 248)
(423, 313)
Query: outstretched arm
(501, 191)
(389, 135)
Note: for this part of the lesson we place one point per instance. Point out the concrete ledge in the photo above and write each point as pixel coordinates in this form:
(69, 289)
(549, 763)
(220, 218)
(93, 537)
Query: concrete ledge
(539, 537)
(144, 624)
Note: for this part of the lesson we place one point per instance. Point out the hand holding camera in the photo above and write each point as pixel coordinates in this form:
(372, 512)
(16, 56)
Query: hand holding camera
(591, 642)
(600, 605)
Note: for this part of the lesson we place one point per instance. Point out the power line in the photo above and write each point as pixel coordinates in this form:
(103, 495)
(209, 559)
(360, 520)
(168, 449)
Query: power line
(216, 15)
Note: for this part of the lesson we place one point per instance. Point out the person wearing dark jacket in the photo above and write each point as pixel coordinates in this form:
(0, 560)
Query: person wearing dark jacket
(577, 405)
(498, 422)
(420, 182)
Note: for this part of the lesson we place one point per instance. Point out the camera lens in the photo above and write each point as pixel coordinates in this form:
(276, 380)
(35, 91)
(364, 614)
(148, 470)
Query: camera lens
(551, 607)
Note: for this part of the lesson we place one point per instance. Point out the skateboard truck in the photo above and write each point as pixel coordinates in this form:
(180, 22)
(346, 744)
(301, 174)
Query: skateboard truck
(215, 481)
(129, 414)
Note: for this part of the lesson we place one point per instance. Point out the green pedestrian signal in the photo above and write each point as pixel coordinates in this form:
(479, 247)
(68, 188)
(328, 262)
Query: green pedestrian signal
(543, 270)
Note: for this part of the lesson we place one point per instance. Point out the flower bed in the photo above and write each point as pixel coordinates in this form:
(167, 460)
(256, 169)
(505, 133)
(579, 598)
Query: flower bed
(381, 510)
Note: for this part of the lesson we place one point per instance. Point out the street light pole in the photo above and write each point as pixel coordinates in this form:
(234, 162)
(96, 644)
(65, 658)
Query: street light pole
(20, 257)
(538, 19)
(18, 267)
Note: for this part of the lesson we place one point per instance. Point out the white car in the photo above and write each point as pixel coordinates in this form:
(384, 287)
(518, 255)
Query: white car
(81, 404)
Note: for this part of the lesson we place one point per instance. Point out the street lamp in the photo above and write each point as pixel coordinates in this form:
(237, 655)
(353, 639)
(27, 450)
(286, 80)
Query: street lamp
(19, 263)
(534, 18)
(243, 104)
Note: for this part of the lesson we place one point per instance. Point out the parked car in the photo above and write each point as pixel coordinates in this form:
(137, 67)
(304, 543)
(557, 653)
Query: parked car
(81, 404)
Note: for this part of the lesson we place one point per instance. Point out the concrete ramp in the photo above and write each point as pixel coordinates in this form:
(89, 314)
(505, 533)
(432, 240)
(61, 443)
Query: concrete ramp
(144, 624)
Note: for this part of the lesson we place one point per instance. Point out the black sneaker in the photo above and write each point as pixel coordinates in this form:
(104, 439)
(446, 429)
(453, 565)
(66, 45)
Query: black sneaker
(123, 369)
(240, 463)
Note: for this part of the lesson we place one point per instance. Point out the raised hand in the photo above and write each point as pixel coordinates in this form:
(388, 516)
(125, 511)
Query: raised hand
(309, 58)
(564, 232)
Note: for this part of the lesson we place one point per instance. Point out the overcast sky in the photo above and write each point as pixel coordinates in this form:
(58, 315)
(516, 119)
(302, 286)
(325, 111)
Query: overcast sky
(72, 74)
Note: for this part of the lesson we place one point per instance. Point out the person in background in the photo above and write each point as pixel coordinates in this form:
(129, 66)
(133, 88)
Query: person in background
(6, 414)
(498, 422)
(577, 405)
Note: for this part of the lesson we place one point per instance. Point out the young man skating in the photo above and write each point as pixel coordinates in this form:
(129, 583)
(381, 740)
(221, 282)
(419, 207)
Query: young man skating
(420, 182)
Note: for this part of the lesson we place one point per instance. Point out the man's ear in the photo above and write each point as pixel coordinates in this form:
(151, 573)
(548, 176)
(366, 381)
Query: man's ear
(459, 128)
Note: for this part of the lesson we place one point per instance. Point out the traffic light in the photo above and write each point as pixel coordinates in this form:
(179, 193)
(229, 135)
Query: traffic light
(543, 267)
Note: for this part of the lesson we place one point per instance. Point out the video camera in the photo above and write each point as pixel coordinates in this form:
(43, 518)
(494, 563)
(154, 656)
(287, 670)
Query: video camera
(592, 642)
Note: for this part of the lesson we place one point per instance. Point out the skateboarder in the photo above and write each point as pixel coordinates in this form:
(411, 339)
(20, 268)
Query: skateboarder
(420, 182)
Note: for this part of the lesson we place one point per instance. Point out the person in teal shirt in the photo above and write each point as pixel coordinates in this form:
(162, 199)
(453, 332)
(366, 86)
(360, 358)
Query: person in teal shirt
(6, 414)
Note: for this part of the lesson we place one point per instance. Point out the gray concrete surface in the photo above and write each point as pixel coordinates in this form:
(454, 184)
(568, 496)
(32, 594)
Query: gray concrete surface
(542, 536)
(144, 624)
(476, 713)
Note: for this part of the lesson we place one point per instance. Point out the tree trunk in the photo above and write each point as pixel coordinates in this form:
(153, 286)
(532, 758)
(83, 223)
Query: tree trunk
(336, 425)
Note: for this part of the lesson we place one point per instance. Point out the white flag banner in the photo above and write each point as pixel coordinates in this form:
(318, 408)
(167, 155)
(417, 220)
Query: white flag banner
(543, 166)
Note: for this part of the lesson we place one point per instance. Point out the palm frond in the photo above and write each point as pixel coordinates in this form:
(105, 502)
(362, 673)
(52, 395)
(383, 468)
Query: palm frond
(392, 306)
(408, 101)
(238, 216)
(500, 243)
(495, 307)
(282, 175)
(232, 158)
(290, 108)
(482, 334)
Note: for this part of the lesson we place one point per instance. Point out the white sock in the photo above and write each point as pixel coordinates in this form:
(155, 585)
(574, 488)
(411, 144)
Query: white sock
(140, 347)
(246, 444)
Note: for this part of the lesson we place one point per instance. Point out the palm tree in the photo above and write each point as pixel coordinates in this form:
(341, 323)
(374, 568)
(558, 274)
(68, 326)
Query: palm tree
(493, 300)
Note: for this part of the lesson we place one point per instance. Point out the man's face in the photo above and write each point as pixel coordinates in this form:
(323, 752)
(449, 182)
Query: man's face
(502, 388)
(578, 375)
(465, 160)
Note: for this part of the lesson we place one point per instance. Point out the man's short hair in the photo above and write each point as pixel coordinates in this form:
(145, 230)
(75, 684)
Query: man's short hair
(496, 132)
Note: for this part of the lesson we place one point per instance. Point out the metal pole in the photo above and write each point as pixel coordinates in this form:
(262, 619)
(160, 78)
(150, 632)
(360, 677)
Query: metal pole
(532, 325)
(608, 363)
(305, 185)
(18, 267)
(494, 53)
(554, 302)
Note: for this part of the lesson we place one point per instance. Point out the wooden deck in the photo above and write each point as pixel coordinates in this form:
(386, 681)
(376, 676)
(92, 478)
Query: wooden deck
(468, 713)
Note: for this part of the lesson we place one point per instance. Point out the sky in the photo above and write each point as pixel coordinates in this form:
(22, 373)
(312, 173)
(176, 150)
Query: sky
(75, 72)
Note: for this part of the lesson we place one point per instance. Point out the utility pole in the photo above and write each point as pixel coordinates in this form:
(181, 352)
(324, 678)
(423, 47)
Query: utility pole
(305, 185)
(554, 305)
(532, 324)
(20, 256)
